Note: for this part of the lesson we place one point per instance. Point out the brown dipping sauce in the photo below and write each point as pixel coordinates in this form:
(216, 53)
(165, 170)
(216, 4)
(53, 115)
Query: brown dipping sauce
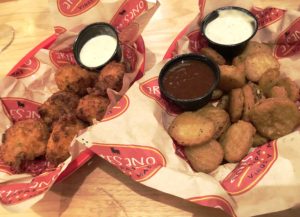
(188, 79)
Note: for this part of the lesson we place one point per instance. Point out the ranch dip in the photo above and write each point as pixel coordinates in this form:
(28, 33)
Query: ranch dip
(98, 50)
(230, 27)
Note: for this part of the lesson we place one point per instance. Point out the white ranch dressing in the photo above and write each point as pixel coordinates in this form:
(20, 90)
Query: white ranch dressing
(230, 27)
(97, 50)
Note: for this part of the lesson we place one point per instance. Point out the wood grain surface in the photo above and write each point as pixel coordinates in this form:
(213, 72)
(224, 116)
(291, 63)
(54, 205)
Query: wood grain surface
(97, 188)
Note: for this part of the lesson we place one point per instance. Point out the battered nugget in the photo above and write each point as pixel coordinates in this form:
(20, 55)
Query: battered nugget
(268, 80)
(189, 128)
(237, 141)
(219, 116)
(205, 158)
(249, 100)
(231, 77)
(111, 76)
(258, 63)
(25, 140)
(60, 103)
(64, 131)
(214, 55)
(275, 117)
(290, 86)
(236, 104)
(92, 107)
(74, 78)
(277, 91)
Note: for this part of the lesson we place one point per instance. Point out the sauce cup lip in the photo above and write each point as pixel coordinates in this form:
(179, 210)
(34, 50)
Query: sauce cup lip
(206, 21)
(81, 36)
(189, 56)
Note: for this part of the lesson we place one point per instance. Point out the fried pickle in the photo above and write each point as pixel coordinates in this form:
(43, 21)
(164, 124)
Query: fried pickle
(214, 55)
(25, 140)
(249, 100)
(223, 102)
(259, 140)
(74, 78)
(58, 104)
(236, 104)
(268, 80)
(92, 107)
(205, 158)
(257, 64)
(277, 91)
(290, 86)
(231, 77)
(217, 94)
(237, 141)
(219, 116)
(255, 47)
(189, 128)
(64, 131)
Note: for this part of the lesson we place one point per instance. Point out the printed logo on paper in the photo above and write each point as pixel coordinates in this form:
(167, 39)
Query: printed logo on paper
(138, 162)
(215, 202)
(288, 42)
(59, 30)
(30, 67)
(196, 41)
(62, 57)
(150, 88)
(251, 169)
(18, 109)
(129, 55)
(127, 12)
(267, 16)
(70, 8)
(118, 109)
(18, 192)
(130, 33)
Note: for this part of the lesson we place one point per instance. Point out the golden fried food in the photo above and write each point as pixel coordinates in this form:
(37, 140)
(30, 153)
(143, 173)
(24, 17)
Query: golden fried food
(277, 91)
(258, 63)
(64, 131)
(74, 78)
(214, 55)
(236, 104)
(205, 158)
(92, 107)
(249, 100)
(58, 104)
(259, 140)
(275, 117)
(25, 140)
(290, 86)
(217, 94)
(255, 47)
(219, 116)
(237, 141)
(189, 128)
(223, 102)
(231, 77)
(268, 80)
(111, 76)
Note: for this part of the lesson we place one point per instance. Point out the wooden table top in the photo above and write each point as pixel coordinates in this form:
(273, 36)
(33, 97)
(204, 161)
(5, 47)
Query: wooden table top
(97, 188)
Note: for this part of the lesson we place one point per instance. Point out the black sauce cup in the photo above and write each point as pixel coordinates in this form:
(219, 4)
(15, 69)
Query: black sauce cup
(90, 32)
(232, 50)
(193, 103)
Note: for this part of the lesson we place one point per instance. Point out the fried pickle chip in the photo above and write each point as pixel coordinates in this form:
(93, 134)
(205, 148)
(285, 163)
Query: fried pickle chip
(249, 100)
(58, 104)
(25, 140)
(275, 117)
(268, 80)
(217, 94)
(219, 116)
(223, 102)
(236, 104)
(290, 86)
(255, 47)
(75, 79)
(64, 131)
(231, 77)
(277, 91)
(259, 140)
(92, 107)
(237, 141)
(189, 129)
(257, 64)
(205, 158)
(214, 55)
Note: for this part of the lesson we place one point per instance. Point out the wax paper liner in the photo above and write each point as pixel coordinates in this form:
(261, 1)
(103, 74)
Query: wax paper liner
(266, 180)
(31, 82)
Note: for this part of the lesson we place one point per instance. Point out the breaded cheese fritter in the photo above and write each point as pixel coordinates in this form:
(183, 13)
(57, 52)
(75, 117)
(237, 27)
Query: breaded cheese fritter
(58, 104)
(205, 158)
(74, 78)
(64, 131)
(25, 140)
(92, 107)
